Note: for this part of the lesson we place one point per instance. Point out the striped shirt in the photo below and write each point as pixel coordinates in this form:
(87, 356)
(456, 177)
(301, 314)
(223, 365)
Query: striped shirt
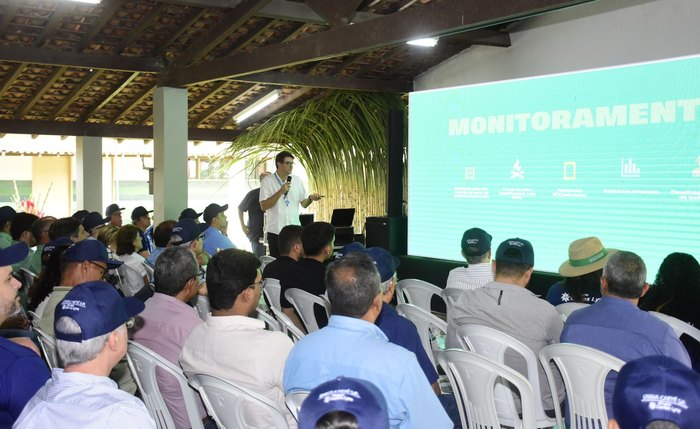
(471, 277)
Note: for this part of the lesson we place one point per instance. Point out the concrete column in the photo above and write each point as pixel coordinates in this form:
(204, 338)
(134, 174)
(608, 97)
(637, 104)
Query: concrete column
(88, 175)
(169, 152)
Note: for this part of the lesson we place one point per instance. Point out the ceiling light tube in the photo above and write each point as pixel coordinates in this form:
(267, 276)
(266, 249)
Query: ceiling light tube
(428, 42)
(257, 106)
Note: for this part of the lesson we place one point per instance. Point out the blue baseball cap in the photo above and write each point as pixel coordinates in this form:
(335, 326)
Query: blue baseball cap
(189, 213)
(358, 397)
(517, 251)
(54, 244)
(475, 242)
(350, 248)
(13, 254)
(97, 308)
(90, 250)
(186, 230)
(385, 262)
(656, 388)
(93, 220)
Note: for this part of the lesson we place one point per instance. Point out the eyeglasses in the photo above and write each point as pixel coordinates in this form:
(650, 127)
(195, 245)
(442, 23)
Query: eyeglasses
(288, 163)
(200, 274)
(103, 270)
(261, 283)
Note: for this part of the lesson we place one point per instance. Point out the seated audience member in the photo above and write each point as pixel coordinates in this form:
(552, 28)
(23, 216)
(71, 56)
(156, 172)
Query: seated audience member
(7, 214)
(92, 222)
(50, 275)
(80, 214)
(68, 227)
(161, 239)
(581, 273)
(141, 219)
(22, 372)
(91, 338)
(168, 320)
(21, 230)
(476, 249)
(189, 213)
(215, 238)
(352, 346)
(40, 231)
(108, 236)
(506, 305)
(308, 273)
(233, 345)
(188, 233)
(133, 273)
(344, 403)
(616, 326)
(656, 392)
(114, 213)
(676, 292)
(291, 251)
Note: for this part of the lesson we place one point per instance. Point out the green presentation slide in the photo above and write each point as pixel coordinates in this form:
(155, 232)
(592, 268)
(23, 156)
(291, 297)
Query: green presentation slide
(613, 153)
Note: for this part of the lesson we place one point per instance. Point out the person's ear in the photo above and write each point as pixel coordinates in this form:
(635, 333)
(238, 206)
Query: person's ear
(612, 424)
(644, 290)
(113, 340)
(603, 286)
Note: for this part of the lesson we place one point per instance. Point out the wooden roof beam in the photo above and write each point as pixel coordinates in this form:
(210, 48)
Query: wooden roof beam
(52, 57)
(331, 82)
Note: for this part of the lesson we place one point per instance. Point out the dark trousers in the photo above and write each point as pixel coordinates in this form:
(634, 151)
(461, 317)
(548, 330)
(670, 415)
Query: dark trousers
(273, 244)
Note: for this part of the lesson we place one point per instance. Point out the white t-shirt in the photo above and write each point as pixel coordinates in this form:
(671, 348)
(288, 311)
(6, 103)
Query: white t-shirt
(286, 210)
(132, 272)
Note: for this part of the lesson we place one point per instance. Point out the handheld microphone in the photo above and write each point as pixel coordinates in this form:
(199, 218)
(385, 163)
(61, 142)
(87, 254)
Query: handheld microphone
(289, 180)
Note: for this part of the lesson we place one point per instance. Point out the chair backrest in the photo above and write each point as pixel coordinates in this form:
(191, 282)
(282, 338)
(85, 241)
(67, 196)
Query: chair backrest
(264, 260)
(272, 291)
(143, 363)
(202, 306)
(450, 295)
(33, 317)
(293, 401)
(288, 327)
(567, 308)
(424, 322)
(225, 402)
(48, 347)
(473, 379)
(492, 344)
(678, 326)
(28, 279)
(583, 370)
(416, 292)
(271, 323)
(303, 302)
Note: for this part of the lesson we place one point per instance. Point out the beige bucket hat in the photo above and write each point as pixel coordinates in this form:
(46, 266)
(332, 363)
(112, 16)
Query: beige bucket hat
(585, 256)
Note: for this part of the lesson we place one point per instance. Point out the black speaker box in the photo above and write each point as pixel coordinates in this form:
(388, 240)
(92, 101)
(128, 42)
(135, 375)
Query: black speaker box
(387, 232)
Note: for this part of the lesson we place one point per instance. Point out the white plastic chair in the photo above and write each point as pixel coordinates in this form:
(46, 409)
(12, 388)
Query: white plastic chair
(264, 260)
(303, 302)
(424, 321)
(583, 370)
(293, 401)
(473, 379)
(678, 326)
(492, 344)
(48, 347)
(272, 292)
(202, 306)
(143, 363)
(416, 292)
(288, 327)
(450, 295)
(271, 323)
(567, 308)
(225, 402)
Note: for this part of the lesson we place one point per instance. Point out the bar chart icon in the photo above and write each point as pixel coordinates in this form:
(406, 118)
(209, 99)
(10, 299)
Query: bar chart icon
(628, 168)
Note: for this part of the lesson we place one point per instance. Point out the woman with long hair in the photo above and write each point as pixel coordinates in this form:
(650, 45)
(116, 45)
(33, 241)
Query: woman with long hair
(133, 273)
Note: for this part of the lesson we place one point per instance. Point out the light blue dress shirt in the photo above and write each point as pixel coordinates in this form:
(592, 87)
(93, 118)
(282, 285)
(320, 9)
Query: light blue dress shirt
(214, 239)
(78, 400)
(355, 348)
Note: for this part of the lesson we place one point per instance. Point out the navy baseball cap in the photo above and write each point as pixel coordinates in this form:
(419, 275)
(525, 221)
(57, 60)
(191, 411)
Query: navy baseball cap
(54, 244)
(97, 308)
(656, 388)
(80, 214)
(139, 211)
(189, 213)
(475, 242)
(517, 251)
(112, 208)
(13, 254)
(7, 213)
(358, 397)
(90, 250)
(94, 219)
(350, 248)
(187, 230)
(385, 262)
(213, 211)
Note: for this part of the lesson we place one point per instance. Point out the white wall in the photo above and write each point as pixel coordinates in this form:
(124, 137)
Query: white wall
(601, 33)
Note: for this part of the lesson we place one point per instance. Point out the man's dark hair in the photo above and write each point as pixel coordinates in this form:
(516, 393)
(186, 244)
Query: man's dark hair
(511, 269)
(125, 239)
(352, 284)
(279, 159)
(337, 420)
(64, 227)
(22, 222)
(316, 236)
(40, 225)
(161, 233)
(175, 266)
(229, 273)
(289, 236)
(625, 274)
(479, 259)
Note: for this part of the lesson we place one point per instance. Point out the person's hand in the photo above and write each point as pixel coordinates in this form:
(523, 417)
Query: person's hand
(245, 228)
(285, 188)
(315, 197)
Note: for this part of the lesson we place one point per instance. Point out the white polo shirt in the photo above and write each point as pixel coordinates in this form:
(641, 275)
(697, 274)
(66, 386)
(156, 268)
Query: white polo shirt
(286, 210)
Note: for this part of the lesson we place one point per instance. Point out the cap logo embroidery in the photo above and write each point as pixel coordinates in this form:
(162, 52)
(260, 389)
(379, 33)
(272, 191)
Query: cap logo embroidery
(347, 395)
(671, 404)
(72, 304)
(472, 241)
(515, 243)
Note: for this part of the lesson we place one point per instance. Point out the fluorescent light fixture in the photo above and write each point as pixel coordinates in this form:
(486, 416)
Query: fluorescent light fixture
(257, 106)
(88, 1)
(428, 42)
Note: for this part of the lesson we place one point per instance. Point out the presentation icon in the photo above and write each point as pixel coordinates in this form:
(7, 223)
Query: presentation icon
(629, 168)
(469, 173)
(517, 172)
(570, 170)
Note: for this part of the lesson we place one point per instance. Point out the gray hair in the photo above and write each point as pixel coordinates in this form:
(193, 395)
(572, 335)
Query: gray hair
(352, 283)
(175, 266)
(74, 353)
(479, 259)
(625, 274)
(661, 424)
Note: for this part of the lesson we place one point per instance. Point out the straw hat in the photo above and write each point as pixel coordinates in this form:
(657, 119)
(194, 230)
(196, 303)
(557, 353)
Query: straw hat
(585, 256)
